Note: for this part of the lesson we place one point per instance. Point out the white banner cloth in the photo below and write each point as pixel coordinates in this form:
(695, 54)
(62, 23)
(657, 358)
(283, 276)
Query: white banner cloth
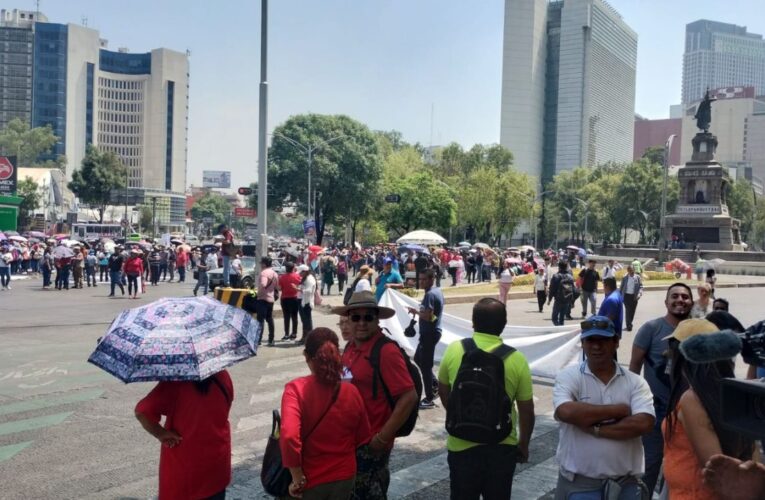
(547, 349)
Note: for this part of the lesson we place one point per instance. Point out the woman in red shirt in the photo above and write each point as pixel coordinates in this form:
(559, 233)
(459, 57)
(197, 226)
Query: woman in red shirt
(195, 461)
(288, 283)
(134, 270)
(323, 422)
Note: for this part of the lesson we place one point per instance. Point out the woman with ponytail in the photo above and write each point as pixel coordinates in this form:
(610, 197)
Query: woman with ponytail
(323, 422)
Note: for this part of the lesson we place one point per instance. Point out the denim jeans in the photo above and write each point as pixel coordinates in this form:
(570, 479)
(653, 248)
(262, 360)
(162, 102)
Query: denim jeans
(46, 275)
(202, 281)
(590, 297)
(423, 356)
(306, 319)
(559, 311)
(116, 278)
(5, 275)
(226, 270)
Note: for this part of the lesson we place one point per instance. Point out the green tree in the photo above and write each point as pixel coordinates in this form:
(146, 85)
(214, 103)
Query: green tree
(211, 205)
(758, 226)
(27, 189)
(101, 173)
(741, 205)
(27, 144)
(146, 217)
(654, 154)
(426, 203)
(344, 172)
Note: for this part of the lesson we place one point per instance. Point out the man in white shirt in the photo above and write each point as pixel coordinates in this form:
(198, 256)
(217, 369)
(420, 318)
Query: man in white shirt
(603, 410)
(631, 290)
(610, 270)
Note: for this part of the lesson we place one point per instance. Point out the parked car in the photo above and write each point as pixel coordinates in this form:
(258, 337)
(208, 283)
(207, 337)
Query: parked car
(249, 273)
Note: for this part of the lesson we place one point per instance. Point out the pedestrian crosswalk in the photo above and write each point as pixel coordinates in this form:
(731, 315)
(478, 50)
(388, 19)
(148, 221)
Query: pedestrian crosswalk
(418, 463)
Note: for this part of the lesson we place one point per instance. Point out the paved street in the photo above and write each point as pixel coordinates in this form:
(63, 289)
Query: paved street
(67, 429)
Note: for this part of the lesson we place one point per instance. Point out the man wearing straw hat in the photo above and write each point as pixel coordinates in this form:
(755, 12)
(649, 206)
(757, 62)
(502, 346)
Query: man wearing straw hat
(373, 474)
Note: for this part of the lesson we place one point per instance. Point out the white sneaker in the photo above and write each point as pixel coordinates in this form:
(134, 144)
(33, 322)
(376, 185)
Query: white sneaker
(9, 287)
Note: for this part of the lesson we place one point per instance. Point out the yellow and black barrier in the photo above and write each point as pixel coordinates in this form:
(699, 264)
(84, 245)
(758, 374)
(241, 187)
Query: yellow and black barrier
(237, 297)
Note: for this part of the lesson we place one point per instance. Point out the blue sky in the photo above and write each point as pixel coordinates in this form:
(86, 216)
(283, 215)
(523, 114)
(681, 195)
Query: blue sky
(383, 62)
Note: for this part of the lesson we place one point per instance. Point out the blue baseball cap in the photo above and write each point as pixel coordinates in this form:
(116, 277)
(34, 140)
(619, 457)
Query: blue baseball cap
(597, 326)
(387, 260)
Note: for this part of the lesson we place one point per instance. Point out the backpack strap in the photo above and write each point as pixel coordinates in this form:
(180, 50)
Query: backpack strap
(503, 351)
(468, 345)
(374, 360)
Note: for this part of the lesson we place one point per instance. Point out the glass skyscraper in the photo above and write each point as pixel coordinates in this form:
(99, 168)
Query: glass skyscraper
(568, 89)
(721, 55)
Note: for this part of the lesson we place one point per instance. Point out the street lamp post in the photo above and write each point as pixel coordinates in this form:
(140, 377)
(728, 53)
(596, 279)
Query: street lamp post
(309, 150)
(533, 199)
(570, 231)
(663, 215)
(262, 246)
(586, 215)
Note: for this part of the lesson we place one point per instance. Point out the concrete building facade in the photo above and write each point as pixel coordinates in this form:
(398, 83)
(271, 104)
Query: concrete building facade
(721, 55)
(654, 133)
(578, 107)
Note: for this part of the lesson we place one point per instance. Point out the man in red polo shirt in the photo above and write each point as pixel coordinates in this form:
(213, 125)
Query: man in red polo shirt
(373, 474)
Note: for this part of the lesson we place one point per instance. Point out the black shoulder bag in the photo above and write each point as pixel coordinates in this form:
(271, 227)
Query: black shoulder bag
(274, 476)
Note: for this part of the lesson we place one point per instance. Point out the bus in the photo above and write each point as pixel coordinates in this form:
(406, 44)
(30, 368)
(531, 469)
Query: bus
(94, 230)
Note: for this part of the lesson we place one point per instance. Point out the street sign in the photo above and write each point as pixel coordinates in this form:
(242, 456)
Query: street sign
(393, 198)
(245, 191)
(8, 175)
(245, 212)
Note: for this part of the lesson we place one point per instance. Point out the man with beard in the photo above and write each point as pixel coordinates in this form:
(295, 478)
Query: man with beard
(648, 349)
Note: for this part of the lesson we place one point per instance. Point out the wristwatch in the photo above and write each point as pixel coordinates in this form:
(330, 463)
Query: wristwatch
(596, 430)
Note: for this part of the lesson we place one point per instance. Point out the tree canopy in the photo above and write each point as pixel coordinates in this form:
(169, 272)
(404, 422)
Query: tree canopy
(27, 144)
(211, 205)
(100, 173)
(346, 168)
(27, 189)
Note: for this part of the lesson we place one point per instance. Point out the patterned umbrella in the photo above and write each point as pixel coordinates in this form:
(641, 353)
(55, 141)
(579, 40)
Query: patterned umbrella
(174, 339)
(62, 252)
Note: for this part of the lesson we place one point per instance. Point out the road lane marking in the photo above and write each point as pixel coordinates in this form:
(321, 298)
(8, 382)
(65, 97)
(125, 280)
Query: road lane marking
(39, 404)
(263, 419)
(7, 452)
(29, 424)
(290, 360)
(264, 397)
(278, 377)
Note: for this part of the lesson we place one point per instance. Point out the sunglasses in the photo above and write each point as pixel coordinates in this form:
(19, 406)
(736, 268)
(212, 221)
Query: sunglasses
(368, 318)
(598, 325)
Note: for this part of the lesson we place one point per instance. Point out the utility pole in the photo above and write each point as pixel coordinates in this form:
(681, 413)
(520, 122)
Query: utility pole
(262, 247)
(154, 217)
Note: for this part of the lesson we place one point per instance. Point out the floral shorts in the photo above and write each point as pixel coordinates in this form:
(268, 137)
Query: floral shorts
(372, 475)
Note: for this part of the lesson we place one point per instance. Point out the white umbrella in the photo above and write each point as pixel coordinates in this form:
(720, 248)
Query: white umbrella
(482, 246)
(421, 237)
(20, 239)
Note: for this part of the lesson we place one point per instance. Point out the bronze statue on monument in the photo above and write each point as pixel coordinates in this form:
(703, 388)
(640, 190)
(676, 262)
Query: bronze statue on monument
(703, 114)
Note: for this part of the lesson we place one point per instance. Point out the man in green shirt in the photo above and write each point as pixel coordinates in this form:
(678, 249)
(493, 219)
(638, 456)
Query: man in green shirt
(487, 469)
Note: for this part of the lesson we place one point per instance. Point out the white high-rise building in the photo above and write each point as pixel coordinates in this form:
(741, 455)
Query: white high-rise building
(133, 104)
(568, 89)
(721, 55)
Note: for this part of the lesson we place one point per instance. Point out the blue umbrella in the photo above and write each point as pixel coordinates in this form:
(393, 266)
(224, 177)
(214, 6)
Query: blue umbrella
(582, 252)
(176, 339)
(415, 248)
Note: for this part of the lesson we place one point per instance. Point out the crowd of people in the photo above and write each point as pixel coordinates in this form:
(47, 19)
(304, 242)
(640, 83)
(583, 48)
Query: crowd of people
(619, 427)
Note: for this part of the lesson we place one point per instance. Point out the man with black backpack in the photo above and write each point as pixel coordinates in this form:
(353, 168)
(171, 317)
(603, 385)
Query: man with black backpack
(479, 380)
(562, 289)
(383, 374)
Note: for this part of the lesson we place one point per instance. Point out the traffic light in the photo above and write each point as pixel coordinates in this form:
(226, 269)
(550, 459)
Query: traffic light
(245, 191)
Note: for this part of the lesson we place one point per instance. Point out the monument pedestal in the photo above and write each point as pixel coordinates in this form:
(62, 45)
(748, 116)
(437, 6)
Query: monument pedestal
(702, 214)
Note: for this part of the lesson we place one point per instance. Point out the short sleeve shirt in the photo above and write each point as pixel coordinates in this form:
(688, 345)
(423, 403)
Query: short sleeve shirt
(392, 277)
(613, 307)
(433, 301)
(581, 453)
(649, 338)
(517, 381)
(358, 370)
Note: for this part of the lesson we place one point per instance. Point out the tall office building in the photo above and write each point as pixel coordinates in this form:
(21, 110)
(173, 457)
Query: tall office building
(721, 55)
(133, 104)
(16, 57)
(568, 88)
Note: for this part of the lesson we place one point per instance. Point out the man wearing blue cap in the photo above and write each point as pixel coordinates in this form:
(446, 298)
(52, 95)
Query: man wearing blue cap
(389, 278)
(603, 411)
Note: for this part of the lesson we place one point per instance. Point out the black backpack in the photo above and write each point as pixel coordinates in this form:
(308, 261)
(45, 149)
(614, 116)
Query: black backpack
(566, 288)
(479, 409)
(374, 359)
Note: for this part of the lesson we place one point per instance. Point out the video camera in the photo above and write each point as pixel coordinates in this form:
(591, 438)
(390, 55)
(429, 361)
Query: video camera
(743, 401)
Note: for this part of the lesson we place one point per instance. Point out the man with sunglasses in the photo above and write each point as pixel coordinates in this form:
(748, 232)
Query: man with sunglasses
(649, 348)
(373, 474)
(603, 410)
